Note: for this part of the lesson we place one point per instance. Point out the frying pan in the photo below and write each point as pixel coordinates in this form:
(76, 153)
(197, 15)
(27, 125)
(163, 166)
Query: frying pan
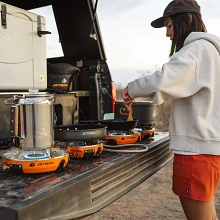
(119, 124)
(79, 132)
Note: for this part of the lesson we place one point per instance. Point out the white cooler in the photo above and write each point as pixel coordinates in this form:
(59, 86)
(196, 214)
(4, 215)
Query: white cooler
(23, 50)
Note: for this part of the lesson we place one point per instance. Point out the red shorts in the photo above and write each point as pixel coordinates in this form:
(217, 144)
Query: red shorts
(196, 176)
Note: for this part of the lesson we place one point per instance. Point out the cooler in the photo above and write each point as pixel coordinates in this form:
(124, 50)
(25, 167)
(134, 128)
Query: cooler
(23, 49)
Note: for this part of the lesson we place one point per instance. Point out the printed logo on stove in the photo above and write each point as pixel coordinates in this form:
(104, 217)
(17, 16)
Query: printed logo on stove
(89, 133)
(42, 164)
(32, 165)
(45, 164)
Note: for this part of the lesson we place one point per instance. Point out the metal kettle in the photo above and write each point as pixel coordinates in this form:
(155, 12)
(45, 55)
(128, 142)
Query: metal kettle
(32, 120)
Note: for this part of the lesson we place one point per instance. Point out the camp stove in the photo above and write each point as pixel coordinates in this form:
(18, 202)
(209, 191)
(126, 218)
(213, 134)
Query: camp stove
(147, 132)
(131, 136)
(35, 160)
(82, 149)
(31, 116)
(80, 140)
(120, 137)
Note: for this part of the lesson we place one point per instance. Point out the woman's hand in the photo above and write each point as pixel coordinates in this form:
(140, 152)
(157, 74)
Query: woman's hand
(127, 99)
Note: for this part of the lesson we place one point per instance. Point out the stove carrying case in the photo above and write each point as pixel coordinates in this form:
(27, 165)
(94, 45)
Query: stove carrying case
(62, 77)
(144, 111)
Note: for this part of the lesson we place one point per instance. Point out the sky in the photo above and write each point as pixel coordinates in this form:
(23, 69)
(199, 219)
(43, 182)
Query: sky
(132, 46)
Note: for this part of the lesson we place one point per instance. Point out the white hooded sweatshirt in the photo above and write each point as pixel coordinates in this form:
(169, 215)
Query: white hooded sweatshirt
(192, 80)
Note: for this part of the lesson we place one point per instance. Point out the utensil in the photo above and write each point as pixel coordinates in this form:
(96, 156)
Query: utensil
(130, 117)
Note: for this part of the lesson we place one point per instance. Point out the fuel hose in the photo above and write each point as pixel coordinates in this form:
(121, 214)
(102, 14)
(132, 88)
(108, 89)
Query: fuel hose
(119, 148)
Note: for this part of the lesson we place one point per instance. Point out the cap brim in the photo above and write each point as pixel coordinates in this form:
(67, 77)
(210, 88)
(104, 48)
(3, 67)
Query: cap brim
(158, 23)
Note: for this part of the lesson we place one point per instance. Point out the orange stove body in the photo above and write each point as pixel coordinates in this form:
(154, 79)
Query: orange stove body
(123, 139)
(85, 151)
(38, 165)
(145, 134)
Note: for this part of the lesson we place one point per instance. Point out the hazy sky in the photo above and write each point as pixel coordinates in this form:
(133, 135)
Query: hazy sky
(132, 46)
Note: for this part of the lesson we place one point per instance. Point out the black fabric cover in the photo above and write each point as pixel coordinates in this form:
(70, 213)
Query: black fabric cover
(62, 77)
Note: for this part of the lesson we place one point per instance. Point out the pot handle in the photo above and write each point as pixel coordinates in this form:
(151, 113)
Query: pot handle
(123, 113)
(17, 97)
(17, 121)
(7, 102)
(14, 98)
(14, 119)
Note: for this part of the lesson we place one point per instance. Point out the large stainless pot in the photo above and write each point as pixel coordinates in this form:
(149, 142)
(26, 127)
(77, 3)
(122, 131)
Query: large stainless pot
(32, 119)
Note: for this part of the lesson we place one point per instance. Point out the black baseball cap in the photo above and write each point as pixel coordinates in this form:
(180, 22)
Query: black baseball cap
(176, 7)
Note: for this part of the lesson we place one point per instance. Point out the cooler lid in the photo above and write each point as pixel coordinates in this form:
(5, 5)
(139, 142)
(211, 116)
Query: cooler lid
(75, 22)
(17, 12)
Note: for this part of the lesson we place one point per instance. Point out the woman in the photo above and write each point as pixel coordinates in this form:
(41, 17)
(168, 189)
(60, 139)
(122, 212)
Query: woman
(192, 80)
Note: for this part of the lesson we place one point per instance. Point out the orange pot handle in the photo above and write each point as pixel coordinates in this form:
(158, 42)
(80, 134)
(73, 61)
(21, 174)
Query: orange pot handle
(122, 113)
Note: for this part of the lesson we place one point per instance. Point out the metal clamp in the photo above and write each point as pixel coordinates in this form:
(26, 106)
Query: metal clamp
(39, 28)
(4, 16)
(15, 98)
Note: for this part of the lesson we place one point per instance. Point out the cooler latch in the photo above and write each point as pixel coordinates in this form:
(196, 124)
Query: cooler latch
(3, 16)
(39, 28)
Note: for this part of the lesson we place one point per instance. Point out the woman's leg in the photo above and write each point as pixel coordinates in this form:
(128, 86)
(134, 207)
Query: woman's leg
(198, 210)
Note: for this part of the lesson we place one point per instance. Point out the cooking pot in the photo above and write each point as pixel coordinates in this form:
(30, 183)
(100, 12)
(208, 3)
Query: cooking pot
(32, 119)
(144, 111)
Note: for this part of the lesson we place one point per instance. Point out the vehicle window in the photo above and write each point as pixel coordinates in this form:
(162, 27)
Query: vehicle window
(53, 45)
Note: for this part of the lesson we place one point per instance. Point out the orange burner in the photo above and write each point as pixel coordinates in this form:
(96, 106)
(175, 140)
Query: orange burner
(145, 133)
(120, 138)
(80, 151)
(35, 160)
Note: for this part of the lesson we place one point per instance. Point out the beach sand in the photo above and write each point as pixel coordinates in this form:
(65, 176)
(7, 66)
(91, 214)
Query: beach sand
(151, 200)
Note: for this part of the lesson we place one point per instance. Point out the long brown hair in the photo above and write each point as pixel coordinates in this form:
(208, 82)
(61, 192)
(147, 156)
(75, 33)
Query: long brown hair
(182, 27)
